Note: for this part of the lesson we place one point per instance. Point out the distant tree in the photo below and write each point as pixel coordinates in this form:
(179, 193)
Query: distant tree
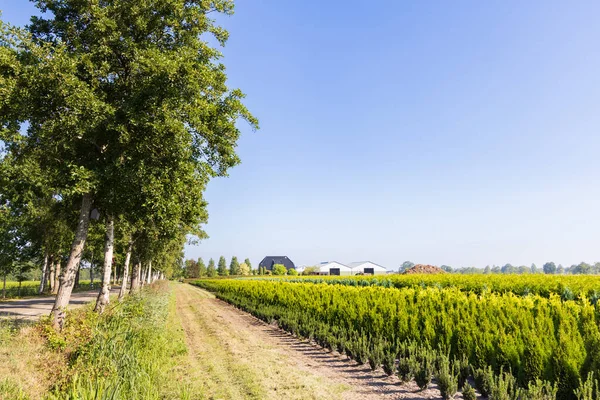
(248, 263)
(191, 269)
(234, 266)
(292, 272)
(534, 269)
(201, 267)
(279, 269)
(560, 269)
(508, 269)
(244, 270)
(222, 268)
(487, 270)
(211, 270)
(582, 268)
(523, 269)
(406, 265)
(310, 270)
(446, 268)
(549, 268)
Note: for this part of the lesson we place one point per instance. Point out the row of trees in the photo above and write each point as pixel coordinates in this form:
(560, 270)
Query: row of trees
(113, 119)
(197, 269)
(548, 268)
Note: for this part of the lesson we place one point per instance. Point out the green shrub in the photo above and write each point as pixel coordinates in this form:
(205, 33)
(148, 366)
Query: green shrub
(424, 372)
(468, 392)
(484, 379)
(279, 269)
(447, 380)
(292, 272)
(541, 390)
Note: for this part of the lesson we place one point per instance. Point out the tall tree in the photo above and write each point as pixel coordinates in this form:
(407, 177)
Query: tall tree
(549, 268)
(201, 267)
(234, 266)
(114, 95)
(249, 264)
(211, 270)
(222, 268)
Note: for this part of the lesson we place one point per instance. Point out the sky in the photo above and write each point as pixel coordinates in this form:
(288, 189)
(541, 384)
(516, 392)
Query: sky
(463, 133)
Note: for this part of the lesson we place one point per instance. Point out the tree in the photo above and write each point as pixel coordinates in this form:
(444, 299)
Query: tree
(292, 272)
(446, 268)
(127, 110)
(487, 270)
(192, 269)
(201, 267)
(222, 269)
(560, 269)
(508, 269)
(244, 270)
(549, 268)
(406, 265)
(249, 264)
(210, 270)
(279, 269)
(534, 269)
(234, 266)
(312, 270)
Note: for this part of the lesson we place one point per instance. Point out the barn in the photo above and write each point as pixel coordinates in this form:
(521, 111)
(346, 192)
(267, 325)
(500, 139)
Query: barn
(334, 268)
(269, 261)
(367, 268)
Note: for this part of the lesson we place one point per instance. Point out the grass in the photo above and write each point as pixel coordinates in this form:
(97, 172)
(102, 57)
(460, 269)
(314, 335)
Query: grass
(130, 352)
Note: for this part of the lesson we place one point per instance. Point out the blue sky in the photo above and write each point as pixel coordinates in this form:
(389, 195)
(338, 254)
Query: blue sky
(462, 133)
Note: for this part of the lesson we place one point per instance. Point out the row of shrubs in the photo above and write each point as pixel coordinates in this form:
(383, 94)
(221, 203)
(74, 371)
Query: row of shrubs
(568, 287)
(526, 343)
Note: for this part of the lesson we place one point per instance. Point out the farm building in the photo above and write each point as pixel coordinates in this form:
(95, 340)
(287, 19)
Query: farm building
(334, 268)
(269, 261)
(366, 267)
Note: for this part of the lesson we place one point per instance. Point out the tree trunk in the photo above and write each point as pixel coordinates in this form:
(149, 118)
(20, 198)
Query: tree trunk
(19, 289)
(77, 275)
(64, 291)
(51, 283)
(123, 290)
(135, 278)
(149, 273)
(44, 269)
(4, 287)
(56, 283)
(109, 239)
(48, 271)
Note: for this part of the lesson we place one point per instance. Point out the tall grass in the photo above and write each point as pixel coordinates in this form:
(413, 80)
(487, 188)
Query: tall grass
(129, 352)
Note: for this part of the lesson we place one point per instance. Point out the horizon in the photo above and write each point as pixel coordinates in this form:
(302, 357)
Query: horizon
(463, 135)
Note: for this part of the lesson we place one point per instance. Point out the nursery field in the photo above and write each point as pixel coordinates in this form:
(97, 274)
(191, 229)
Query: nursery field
(533, 337)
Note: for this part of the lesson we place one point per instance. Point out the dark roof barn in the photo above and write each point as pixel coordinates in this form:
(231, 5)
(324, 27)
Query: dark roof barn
(269, 261)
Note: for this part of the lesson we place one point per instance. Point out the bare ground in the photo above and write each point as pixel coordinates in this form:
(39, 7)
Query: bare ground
(32, 308)
(233, 355)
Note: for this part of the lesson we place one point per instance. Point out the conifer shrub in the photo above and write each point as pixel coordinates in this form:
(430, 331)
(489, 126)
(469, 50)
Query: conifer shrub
(424, 372)
(484, 379)
(541, 390)
(468, 393)
(447, 379)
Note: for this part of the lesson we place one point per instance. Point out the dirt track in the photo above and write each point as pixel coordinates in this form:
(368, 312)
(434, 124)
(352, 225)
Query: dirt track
(32, 308)
(237, 356)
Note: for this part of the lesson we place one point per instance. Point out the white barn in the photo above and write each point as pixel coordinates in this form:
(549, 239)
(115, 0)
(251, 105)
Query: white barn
(367, 267)
(334, 268)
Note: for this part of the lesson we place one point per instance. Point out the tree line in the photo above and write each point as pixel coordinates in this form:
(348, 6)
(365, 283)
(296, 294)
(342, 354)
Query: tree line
(549, 268)
(113, 119)
(192, 269)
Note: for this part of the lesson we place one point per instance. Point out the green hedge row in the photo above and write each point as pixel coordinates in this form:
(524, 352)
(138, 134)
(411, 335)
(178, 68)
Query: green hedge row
(534, 337)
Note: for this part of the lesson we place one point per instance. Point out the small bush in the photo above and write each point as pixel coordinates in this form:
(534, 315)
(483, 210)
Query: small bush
(279, 269)
(468, 392)
(424, 372)
(447, 380)
(541, 390)
(504, 387)
(484, 378)
(389, 362)
(589, 389)
(407, 368)
(292, 272)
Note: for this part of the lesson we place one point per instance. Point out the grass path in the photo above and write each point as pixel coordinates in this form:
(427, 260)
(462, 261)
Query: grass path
(232, 355)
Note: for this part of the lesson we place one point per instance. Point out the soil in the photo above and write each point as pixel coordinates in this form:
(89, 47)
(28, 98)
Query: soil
(237, 356)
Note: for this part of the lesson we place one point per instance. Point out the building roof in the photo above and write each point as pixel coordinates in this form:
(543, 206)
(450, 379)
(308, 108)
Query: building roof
(358, 264)
(325, 266)
(269, 261)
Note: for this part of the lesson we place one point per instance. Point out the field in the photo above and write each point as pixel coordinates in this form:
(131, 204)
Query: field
(526, 336)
